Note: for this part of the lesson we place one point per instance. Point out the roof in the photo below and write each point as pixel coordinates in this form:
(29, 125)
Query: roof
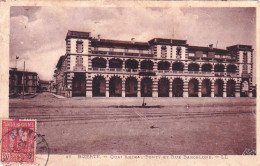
(59, 64)
(164, 41)
(206, 49)
(119, 43)
(19, 71)
(240, 47)
(78, 34)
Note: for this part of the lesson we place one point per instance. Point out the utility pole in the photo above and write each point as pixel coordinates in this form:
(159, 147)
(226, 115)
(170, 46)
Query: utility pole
(16, 58)
(23, 77)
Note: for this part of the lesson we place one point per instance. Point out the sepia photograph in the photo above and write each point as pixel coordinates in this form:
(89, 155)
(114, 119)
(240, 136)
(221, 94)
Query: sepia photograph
(136, 81)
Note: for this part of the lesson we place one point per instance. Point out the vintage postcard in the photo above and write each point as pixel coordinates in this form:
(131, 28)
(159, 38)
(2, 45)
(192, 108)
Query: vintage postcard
(129, 83)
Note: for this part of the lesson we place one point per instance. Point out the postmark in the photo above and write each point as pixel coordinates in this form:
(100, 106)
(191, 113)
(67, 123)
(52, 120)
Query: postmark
(20, 143)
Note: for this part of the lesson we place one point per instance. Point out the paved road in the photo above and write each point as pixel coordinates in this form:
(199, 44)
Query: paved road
(168, 126)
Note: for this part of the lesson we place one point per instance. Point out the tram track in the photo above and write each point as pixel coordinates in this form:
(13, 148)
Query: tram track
(124, 116)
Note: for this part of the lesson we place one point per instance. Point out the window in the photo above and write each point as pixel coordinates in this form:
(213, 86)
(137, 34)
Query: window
(178, 52)
(79, 63)
(245, 57)
(163, 51)
(199, 54)
(79, 46)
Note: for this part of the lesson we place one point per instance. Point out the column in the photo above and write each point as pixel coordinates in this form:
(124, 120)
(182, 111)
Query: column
(199, 88)
(138, 88)
(155, 66)
(200, 68)
(107, 65)
(88, 87)
(237, 89)
(224, 89)
(89, 63)
(155, 88)
(225, 68)
(185, 68)
(212, 89)
(123, 64)
(170, 88)
(185, 88)
(170, 68)
(107, 87)
(123, 87)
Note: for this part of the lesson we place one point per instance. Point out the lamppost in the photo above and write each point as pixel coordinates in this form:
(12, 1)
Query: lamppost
(51, 85)
(23, 77)
(16, 58)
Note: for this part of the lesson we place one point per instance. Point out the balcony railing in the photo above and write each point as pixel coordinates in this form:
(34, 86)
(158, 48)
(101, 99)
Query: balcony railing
(230, 74)
(129, 70)
(115, 69)
(121, 53)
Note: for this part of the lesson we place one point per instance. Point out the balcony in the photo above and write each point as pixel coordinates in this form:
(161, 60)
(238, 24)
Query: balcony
(164, 72)
(79, 68)
(115, 69)
(145, 72)
(112, 53)
(131, 70)
(229, 74)
(219, 74)
(131, 54)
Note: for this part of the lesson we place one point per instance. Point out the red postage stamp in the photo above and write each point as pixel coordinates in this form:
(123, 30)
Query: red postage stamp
(17, 143)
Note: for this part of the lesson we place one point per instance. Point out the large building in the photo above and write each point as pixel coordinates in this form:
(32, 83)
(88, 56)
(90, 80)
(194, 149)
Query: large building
(95, 67)
(22, 80)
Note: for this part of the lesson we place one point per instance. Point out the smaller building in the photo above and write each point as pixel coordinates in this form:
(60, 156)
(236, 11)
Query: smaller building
(44, 86)
(19, 80)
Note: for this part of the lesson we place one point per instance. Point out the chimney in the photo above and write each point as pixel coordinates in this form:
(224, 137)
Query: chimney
(133, 40)
(211, 46)
(98, 37)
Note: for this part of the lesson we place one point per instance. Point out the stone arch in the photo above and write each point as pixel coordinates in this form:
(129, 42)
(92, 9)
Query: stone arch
(131, 64)
(177, 87)
(193, 87)
(131, 86)
(163, 87)
(115, 63)
(207, 67)
(219, 68)
(218, 88)
(244, 89)
(147, 65)
(79, 84)
(193, 67)
(206, 88)
(163, 65)
(115, 86)
(231, 68)
(177, 66)
(99, 86)
(231, 88)
(99, 62)
(146, 87)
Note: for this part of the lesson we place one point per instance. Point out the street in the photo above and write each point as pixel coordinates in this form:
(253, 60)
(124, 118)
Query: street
(194, 126)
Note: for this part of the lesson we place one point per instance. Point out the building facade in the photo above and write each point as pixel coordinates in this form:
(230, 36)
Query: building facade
(19, 78)
(95, 67)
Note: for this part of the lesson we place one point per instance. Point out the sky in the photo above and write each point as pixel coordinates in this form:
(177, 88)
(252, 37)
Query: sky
(37, 34)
